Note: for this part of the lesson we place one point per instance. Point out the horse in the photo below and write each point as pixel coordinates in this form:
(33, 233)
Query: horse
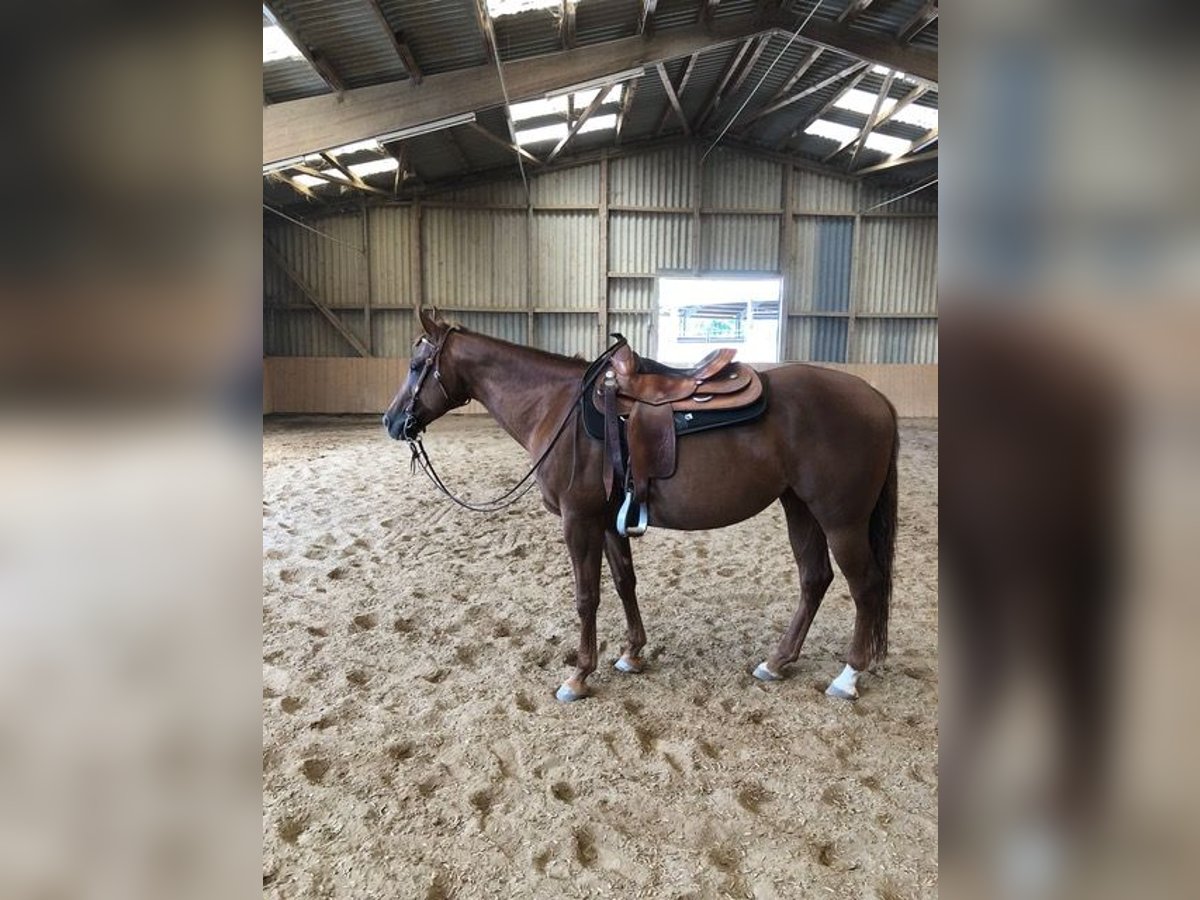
(825, 448)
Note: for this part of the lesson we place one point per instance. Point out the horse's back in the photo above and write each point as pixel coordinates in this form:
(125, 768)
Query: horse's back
(828, 398)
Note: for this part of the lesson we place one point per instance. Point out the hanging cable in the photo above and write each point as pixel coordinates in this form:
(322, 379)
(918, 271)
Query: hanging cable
(512, 132)
(930, 183)
(750, 96)
(328, 237)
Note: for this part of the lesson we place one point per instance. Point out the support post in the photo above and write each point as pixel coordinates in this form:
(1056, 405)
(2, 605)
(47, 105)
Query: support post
(366, 270)
(787, 227)
(855, 277)
(602, 211)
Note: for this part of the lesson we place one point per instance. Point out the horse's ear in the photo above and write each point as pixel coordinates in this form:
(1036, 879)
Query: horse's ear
(429, 321)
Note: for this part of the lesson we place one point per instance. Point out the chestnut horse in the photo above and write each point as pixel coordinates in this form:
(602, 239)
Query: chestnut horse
(825, 449)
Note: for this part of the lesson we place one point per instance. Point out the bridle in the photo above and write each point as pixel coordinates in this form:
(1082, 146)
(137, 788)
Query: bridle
(431, 366)
(421, 458)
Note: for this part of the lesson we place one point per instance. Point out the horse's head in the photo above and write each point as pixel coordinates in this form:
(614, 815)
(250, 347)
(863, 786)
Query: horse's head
(431, 390)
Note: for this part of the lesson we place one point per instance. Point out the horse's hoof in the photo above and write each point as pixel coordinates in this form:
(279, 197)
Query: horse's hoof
(762, 673)
(628, 666)
(841, 693)
(845, 686)
(567, 694)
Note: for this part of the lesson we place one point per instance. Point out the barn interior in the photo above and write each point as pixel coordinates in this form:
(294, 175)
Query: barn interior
(534, 169)
(687, 173)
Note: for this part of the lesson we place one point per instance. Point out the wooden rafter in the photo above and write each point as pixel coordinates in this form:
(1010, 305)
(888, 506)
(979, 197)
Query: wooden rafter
(319, 63)
(924, 141)
(883, 118)
(507, 145)
(298, 127)
(861, 139)
(399, 45)
(311, 296)
(646, 17)
(683, 83)
(566, 24)
(921, 19)
(896, 162)
(828, 105)
(672, 99)
(587, 114)
(357, 185)
(486, 34)
(805, 64)
(853, 10)
(301, 189)
(771, 108)
(714, 99)
(626, 103)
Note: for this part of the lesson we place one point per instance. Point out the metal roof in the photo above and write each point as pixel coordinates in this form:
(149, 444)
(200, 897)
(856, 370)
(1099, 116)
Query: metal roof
(349, 43)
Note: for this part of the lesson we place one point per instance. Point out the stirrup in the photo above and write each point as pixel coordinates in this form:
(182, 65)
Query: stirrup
(623, 528)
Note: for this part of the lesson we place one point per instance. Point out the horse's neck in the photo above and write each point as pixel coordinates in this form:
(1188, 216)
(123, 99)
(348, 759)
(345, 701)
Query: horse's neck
(522, 389)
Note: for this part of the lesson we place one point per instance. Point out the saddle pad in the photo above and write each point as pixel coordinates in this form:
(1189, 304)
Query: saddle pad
(685, 422)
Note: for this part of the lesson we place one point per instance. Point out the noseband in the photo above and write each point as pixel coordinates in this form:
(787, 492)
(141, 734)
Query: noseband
(431, 365)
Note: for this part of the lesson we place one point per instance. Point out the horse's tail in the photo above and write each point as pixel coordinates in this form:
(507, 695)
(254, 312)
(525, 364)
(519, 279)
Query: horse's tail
(882, 536)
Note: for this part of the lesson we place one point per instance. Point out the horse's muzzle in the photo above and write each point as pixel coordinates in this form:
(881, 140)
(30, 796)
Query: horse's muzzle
(402, 426)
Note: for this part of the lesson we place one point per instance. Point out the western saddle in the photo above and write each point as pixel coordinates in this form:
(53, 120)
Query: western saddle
(645, 405)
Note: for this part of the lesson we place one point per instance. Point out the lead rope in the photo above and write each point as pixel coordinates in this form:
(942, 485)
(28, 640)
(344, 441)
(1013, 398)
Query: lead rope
(421, 458)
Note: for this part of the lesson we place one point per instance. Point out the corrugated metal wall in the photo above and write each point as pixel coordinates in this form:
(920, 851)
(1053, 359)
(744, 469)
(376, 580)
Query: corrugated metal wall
(535, 276)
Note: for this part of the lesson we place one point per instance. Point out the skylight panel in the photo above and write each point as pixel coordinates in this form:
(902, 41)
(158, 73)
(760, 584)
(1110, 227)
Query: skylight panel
(899, 76)
(863, 102)
(832, 131)
(599, 123)
(357, 147)
(554, 132)
(497, 8)
(922, 116)
(375, 167)
(308, 180)
(885, 143)
(584, 98)
(277, 46)
(532, 109)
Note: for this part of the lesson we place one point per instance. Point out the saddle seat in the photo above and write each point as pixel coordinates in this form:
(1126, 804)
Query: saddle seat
(642, 397)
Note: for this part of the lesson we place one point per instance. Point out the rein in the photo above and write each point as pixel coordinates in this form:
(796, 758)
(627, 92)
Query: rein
(421, 458)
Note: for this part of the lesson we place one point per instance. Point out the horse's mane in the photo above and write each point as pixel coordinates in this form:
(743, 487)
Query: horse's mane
(544, 355)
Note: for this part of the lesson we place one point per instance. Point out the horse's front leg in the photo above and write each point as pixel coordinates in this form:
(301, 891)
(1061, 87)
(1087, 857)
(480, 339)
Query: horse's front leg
(620, 563)
(585, 543)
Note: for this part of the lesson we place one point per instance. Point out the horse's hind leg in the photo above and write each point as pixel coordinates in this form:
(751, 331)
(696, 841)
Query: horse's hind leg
(852, 549)
(620, 563)
(812, 557)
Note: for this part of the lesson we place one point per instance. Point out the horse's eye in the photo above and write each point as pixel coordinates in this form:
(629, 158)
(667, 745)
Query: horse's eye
(415, 366)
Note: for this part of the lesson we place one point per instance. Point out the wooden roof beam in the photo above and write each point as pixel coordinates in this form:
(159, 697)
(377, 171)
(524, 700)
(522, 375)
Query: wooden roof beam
(828, 105)
(853, 10)
(299, 127)
(921, 19)
(896, 162)
(587, 114)
(319, 63)
(673, 99)
(566, 24)
(860, 141)
(507, 145)
(683, 83)
(770, 108)
(626, 104)
(398, 43)
(646, 17)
